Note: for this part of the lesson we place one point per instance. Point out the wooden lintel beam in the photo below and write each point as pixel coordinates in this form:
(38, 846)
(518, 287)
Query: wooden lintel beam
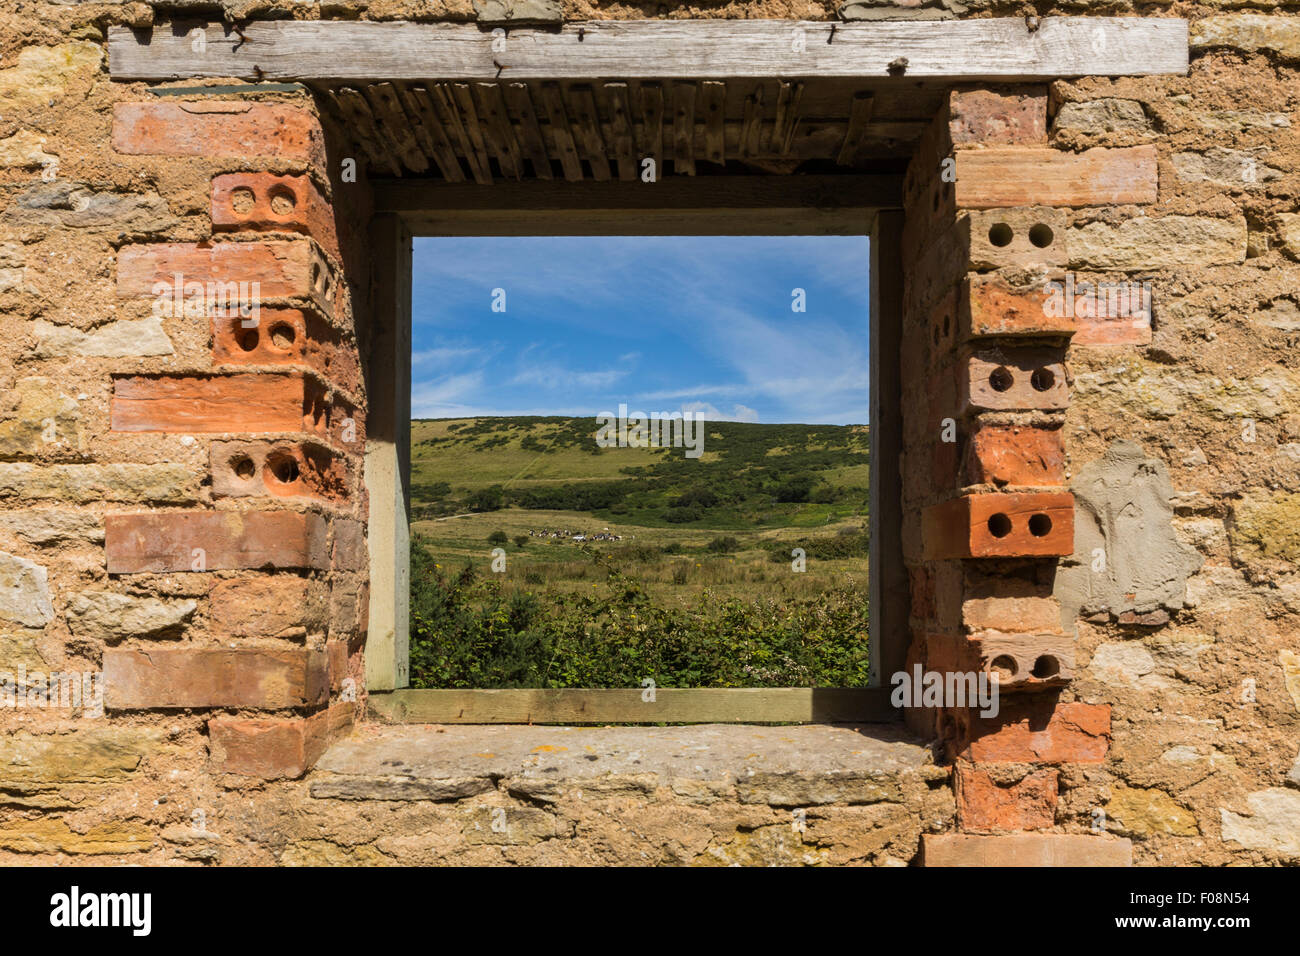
(709, 205)
(951, 50)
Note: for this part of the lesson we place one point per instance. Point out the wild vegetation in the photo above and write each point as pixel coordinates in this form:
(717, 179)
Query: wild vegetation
(744, 567)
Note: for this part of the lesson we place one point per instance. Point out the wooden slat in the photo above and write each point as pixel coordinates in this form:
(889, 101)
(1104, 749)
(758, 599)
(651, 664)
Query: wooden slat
(712, 205)
(976, 49)
(787, 118)
(652, 125)
(751, 127)
(444, 105)
(705, 705)
(561, 136)
(714, 100)
(530, 131)
(585, 123)
(500, 132)
(684, 129)
(416, 101)
(363, 129)
(395, 125)
(463, 96)
(622, 137)
(859, 116)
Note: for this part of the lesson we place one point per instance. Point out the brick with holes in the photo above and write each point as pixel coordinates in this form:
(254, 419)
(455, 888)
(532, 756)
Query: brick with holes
(265, 202)
(288, 469)
(1014, 379)
(1000, 525)
(293, 337)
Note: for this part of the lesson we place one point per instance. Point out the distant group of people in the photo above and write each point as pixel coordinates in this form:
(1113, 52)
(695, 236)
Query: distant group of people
(575, 535)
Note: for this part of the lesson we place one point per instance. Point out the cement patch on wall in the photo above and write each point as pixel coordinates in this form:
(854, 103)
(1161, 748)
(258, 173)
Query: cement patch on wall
(1127, 558)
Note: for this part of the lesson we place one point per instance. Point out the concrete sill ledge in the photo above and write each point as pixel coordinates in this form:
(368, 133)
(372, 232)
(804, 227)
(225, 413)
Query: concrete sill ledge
(707, 794)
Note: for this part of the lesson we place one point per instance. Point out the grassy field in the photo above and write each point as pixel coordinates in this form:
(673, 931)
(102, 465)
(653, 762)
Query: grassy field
(688, 541)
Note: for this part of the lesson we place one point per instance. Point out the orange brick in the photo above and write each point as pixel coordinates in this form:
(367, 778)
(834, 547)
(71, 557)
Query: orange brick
(1000, 525)
(1020, 661)
(1038, 729)
(985, 806)
(245, 403)
(1024, 176)
(212, 677)
(214, 541)
(1006, 117)
(275, 747)
(992, 308)
(1014, 455)
(265, 202)
(286, 337)
(198, 278)
(219, 129)
(242, 469)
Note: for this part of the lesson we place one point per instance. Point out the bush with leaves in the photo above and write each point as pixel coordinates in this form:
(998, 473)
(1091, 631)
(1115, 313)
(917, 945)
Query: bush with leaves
(470, 630)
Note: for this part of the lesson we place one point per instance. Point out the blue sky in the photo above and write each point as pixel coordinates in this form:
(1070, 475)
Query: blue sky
(659, 323)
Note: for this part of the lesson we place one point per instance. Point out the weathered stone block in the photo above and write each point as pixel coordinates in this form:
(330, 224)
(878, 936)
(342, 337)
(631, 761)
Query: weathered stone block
(38, 418)
(86, 484)
(24, 592)
(109, 616)
(121, 339)
(1172, 242)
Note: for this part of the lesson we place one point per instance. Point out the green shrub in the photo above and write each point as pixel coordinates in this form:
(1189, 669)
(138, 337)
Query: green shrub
(521, 540)
(724, 544)
(469, 630)
(497, 537)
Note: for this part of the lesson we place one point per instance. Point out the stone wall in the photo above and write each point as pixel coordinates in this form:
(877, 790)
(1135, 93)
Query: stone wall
(182, 506)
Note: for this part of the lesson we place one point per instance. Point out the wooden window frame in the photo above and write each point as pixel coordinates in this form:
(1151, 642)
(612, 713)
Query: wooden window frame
(725, 205)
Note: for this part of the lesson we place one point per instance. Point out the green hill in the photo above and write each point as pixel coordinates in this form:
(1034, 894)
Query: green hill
(749, 477)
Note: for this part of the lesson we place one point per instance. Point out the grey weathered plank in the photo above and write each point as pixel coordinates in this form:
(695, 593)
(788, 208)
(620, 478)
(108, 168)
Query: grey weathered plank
(492, 107)
(751, 127)
(585, 122)
(705, 705)
(859, 115)
(530, 131)
(561, 135)
(417, 98)
(365, 131)
(983, 49)
(684, 128)
(395, 125)
(444, 107)
(715, 137)
(621, 138)
(652, 125)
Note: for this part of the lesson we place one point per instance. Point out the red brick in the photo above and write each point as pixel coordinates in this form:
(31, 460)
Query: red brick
(275, 747)
(1000, 525)
(1021, 661)
(227, 540)
(992, 308)
(220, 404)
(1014, 455)
(201, 278)
(1024, 849)
(278, 469)
(337, 651)
(265, 202)
(1038, 729)
(986, 806)
(217, 129)
(286, 337)
(1024, 176)
(268, 605)
(214, 677)
(1014, 379)
(1007, 117)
